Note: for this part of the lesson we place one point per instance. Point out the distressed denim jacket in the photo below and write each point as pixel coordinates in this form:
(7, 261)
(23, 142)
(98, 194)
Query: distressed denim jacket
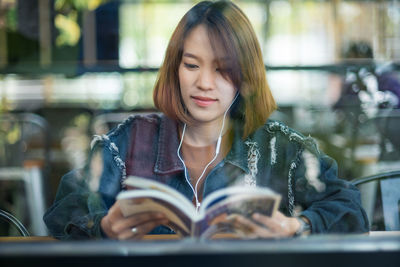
(274, 156)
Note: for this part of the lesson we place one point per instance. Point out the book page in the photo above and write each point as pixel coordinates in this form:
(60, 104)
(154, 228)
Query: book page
(135, 182)
(138, 201)
(237, 191)
(235, 201)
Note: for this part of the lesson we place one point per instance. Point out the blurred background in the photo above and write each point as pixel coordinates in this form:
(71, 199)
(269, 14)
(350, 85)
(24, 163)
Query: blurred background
(70, 69)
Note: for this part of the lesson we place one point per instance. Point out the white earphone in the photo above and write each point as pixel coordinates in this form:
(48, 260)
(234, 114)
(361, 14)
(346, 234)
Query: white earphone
(217, 150)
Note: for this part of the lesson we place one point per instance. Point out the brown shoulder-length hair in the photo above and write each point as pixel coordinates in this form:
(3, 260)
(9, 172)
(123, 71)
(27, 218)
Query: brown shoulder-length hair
(230, 33)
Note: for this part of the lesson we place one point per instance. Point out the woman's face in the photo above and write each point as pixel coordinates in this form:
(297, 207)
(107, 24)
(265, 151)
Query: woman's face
(206, 93)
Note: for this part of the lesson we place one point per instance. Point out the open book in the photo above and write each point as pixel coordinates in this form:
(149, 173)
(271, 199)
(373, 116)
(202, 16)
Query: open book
(149, 195)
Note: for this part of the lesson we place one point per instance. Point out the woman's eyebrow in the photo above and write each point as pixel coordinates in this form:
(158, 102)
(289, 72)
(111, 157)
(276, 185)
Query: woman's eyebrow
(223, 60)
(186, 54)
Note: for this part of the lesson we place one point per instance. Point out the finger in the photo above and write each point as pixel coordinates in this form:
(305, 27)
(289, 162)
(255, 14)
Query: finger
(127, 234)
(139, 231)
(135, 201)
(254, 230)
(277, 223)
(280, 225)
(146, 228)
(109, 220)
(221, 218)
(137, 219)
(114, 212)
(247, 227)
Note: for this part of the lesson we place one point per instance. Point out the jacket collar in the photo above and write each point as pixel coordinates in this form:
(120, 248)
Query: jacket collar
(238, 154)
(167, 160)
(168, 141)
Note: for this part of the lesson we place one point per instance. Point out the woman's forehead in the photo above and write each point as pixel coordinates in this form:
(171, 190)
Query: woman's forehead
(202, 38)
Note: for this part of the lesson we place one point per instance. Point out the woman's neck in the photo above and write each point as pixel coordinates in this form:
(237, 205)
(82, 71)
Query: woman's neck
(205, 134)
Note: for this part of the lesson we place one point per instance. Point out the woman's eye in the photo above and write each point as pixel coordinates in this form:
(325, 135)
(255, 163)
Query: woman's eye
(190, 66)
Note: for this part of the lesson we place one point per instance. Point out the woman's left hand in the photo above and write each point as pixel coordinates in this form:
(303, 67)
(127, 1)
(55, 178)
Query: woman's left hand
(260, 226)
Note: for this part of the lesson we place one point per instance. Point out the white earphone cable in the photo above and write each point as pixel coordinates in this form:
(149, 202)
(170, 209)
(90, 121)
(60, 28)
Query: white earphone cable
(217, 149)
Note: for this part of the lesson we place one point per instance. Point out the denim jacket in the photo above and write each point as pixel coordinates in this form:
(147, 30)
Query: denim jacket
(274, 156)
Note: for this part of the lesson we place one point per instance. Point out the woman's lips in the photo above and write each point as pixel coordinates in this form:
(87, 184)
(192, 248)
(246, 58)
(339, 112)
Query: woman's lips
(203, 101)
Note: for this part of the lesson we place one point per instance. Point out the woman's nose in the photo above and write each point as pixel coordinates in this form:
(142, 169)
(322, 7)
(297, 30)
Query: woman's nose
(206, 79)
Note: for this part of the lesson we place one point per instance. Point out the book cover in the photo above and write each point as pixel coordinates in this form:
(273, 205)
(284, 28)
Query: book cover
(145, 195)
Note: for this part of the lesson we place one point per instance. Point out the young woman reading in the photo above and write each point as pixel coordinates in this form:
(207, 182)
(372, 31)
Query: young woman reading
(213, 132)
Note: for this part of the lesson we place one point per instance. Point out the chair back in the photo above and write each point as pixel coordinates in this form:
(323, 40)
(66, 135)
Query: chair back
(24, 139)
(388, 125)
(389, 184)
(5, 216)
(24, 170)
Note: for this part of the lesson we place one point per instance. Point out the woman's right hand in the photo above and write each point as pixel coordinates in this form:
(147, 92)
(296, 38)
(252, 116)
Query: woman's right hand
(116, 226)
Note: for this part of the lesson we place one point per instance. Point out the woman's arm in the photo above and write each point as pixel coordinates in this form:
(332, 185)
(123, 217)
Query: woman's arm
(76, 212)
(315, 195)
(79, 205)
(332, 205)
(85, 204)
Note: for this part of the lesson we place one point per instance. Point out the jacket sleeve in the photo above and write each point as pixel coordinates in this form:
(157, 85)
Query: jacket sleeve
(77, 211)
(331, 204)
(84, 196)
(80, 205)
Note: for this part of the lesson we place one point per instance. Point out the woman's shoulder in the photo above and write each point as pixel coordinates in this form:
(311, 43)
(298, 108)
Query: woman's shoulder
(280, 133)
(136, 120)
(122, 132)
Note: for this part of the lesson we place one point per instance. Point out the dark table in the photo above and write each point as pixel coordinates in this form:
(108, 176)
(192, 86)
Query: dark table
(316, 250)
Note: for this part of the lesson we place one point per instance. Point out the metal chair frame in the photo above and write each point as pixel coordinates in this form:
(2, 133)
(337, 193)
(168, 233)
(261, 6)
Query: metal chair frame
(390, 193)
(33, 177)
(4, 215)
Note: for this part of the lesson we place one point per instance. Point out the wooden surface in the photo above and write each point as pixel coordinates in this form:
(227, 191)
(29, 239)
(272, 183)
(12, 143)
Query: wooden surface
(146, 238)
(26, 239)
(49, 238)
(159, 237)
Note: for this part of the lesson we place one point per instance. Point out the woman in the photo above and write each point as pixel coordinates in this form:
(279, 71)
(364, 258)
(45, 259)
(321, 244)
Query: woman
(214, 132)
